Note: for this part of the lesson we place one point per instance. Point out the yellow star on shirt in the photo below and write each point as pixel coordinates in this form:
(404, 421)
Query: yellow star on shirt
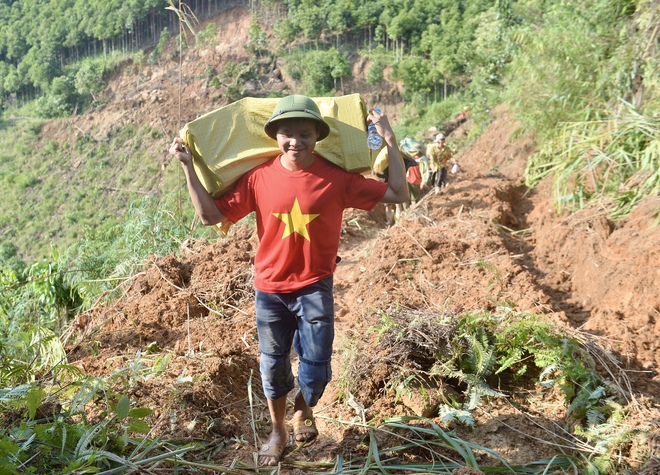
(295, 221)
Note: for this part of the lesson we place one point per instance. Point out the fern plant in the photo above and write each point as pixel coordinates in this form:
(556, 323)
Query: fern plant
(593, 404)
(470, 352)
(473, 361)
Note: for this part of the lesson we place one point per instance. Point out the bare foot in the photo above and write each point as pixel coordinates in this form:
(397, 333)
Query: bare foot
(272, 451)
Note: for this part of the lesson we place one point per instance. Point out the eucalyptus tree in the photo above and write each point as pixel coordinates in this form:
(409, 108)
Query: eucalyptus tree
(338, 18)
(308, 18)
(364, 17)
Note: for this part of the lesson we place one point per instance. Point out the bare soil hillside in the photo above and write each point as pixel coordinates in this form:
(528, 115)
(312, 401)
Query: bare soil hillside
(580, 271)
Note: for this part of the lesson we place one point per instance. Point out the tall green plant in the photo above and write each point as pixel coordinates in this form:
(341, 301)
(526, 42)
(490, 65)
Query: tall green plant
(319, 70)
(46, 428)
(616, 159)
(108, 256)
(36, 303)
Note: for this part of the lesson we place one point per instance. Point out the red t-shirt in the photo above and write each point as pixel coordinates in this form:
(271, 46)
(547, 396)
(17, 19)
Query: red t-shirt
(299, 218)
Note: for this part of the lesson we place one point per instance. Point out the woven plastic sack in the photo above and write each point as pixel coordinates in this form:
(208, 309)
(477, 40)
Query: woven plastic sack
(230, 141)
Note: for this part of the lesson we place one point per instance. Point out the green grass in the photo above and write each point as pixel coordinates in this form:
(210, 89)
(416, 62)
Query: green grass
(55, 190)
(614, 160)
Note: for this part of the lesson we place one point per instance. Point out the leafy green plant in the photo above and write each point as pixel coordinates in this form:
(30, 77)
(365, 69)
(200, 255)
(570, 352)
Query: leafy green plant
(415, 71)
(319, 70)
(89, 79)
(525, 340)
(52, 439)
(45, 421)
(60, 100)
(207, 36)
(257, 44)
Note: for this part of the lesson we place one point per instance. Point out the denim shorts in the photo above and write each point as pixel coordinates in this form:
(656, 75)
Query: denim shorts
(304, 319)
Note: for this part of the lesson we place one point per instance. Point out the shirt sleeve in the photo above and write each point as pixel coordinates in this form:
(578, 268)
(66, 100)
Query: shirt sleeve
(364, 193)
(237, 202)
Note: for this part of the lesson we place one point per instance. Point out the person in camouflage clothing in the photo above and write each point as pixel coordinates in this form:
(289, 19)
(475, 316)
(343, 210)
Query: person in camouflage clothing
(439, 155)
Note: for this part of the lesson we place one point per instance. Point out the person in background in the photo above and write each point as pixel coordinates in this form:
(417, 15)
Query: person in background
(464, 115)
(299, 198)
(418, 176)
(439, 155)
(380, 169)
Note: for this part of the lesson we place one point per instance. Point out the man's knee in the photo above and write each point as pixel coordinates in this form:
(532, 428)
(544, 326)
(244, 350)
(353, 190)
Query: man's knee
(276, 375)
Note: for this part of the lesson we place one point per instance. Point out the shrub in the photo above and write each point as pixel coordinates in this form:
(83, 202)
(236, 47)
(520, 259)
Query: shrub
(60, 100)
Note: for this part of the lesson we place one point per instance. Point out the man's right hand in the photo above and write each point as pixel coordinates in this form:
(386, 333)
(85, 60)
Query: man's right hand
(202, 201)
(181, 151)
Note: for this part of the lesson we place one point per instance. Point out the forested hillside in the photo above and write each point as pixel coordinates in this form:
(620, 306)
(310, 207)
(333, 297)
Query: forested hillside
(565, 68)
(536, 269)
(60, 50)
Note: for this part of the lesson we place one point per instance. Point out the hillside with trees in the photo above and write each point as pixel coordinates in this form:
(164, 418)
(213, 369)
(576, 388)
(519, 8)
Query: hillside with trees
(508, 326)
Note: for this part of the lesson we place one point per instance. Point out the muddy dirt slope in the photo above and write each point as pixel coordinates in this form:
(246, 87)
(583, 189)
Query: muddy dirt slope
(487, 240)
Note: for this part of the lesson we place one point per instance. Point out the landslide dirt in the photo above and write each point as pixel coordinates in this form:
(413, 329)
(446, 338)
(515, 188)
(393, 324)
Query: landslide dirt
(579, 271)
(487, 240)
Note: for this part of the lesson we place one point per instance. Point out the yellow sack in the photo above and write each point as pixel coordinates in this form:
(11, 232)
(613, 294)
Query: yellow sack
(382, 161)
(230, 141)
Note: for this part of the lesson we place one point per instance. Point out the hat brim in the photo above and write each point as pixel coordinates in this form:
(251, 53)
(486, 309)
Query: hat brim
(271, 126)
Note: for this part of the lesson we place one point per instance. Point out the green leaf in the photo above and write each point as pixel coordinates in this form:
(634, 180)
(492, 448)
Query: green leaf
(140, 426)
(83, 445)
(123, 408)
(140, 412)
(15, 393)
(7, 446)
(34, 399)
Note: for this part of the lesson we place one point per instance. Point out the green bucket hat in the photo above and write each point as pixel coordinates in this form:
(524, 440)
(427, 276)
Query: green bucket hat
(296, 106)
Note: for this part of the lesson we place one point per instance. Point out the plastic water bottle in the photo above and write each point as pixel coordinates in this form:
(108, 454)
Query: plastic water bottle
(374, 141)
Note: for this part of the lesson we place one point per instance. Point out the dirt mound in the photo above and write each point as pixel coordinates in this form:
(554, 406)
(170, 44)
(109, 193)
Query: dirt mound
(199, 309)
(604, 275)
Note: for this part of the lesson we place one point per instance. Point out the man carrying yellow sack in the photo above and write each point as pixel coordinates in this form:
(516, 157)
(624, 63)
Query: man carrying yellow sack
(299, 198)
